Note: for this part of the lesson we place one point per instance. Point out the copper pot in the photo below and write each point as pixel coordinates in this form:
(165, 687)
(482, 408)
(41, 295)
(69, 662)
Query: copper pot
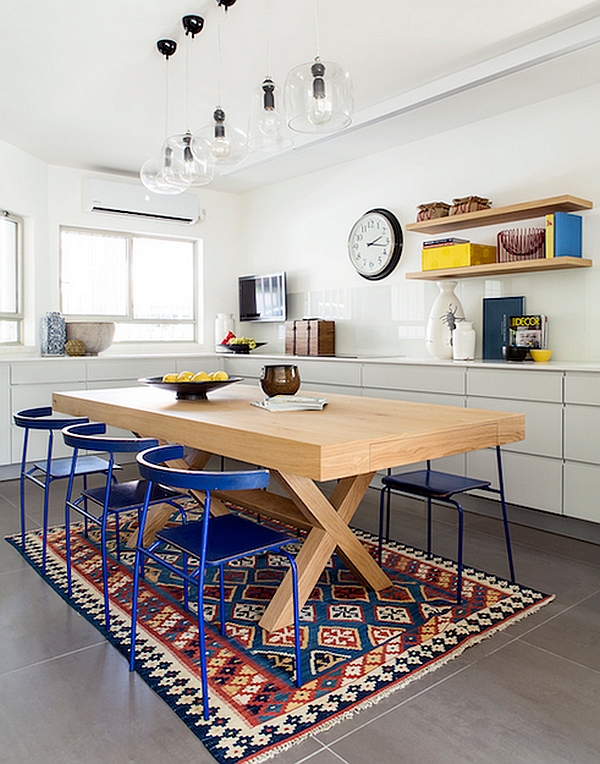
(281, 379)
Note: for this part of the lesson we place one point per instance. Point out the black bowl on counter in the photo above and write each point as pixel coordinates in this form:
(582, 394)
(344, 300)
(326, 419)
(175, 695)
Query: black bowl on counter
(514, 353)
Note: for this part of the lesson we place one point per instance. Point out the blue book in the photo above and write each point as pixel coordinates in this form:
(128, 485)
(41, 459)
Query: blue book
(567, 235)
(496, 323)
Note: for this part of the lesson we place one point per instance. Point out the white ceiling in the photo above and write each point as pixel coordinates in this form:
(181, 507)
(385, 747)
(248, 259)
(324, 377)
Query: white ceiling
(83, 85)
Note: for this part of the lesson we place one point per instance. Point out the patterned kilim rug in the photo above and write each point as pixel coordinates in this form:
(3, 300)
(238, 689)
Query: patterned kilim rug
(358, 646)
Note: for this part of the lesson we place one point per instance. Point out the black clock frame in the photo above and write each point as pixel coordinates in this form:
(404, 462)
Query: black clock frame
(398, 244)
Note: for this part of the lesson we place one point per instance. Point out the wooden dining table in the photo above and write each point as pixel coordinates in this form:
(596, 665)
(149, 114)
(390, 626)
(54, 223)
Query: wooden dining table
(347, 442)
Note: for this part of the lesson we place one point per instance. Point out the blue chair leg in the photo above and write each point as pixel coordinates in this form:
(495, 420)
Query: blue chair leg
(134, 607)
(222, 598)
(105, 572)
(384, 490)
(429, 524)
(202, 646)
(22, 487)
(505, 514)
(459, 564)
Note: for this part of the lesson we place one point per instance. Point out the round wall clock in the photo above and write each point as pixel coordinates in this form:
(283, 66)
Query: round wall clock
(375, 244)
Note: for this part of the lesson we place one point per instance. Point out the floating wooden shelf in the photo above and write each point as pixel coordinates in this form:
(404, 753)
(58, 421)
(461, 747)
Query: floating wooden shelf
(499, 215)
(503, 269)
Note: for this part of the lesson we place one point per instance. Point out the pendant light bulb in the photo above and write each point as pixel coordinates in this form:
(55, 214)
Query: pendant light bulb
(220, 150)
(267, 127)
(225, 145)
(320, 110)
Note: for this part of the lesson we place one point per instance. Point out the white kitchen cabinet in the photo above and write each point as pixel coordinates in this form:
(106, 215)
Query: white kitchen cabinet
(515, 383)
(582, 433)
(582, 387)
(582, 491)
(543, 424)
(425, 378)
(529, 481)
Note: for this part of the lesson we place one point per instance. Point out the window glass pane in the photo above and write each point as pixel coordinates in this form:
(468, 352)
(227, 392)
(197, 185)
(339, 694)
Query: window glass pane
(9, 332)
(163, 279)
(94, 278)
(154, 333)
(8, 266)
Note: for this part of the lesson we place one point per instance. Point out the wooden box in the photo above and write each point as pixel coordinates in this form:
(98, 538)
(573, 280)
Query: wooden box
(311, 336)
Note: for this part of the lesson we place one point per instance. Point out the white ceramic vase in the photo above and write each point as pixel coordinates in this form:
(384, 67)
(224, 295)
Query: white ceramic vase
(446, 312)
(463, 341)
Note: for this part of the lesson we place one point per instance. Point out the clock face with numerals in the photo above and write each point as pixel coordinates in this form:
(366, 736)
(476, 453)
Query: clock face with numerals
(375, 244)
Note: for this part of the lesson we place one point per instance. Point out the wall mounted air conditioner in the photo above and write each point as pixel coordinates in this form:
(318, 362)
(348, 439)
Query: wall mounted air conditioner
(129, 200)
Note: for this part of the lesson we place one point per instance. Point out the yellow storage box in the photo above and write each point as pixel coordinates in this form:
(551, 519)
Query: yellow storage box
(457, 256)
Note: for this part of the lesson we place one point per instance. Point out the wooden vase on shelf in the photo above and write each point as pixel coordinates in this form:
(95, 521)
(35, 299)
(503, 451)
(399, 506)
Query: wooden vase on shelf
(445, 313)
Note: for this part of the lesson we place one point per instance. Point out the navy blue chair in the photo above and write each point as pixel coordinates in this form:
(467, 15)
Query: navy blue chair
(43, 473)
(212, 541)
(97, 504)
(441, 487)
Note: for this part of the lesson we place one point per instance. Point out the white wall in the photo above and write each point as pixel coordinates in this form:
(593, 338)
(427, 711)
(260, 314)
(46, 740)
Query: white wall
(24, 192)
(302, 226)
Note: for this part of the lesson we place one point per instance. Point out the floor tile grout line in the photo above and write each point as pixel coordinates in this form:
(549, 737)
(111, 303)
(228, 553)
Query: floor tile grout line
(398, 705)
(561, 612)
(562, 657)
(53, 658)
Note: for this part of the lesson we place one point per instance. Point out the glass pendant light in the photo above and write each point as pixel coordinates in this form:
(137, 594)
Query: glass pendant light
(220, 142)
(195, 169)
(160, 174)
(267, 128)
(318, 95)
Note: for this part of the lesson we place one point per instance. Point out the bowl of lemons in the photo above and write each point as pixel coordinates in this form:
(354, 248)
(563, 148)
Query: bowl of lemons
(244, 344)
(190, 385)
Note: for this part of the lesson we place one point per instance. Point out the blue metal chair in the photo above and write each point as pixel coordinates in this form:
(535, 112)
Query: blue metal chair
(212, 541)
(441, 487)
(44, 473)
(112, 498)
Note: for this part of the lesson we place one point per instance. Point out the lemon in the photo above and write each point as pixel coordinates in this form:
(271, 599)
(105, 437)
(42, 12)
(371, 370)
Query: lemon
(185, 376)
(170, 378)
(219, 376)
(201, 376)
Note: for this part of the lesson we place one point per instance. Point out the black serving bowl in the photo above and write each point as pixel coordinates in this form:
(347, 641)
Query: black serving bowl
(514, 353)
(190, 391)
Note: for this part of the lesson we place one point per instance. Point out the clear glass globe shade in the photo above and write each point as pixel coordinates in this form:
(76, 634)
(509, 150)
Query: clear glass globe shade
(152, 175)
(229, 149)
(195, 169)
(327, 114)
(267, 128)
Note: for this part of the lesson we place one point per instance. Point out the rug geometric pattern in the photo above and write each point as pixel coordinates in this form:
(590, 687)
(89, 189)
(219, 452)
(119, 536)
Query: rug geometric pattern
(357, 646)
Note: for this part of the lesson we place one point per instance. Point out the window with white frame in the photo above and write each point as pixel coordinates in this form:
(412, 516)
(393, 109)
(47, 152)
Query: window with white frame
(146, 284)
(11, 316)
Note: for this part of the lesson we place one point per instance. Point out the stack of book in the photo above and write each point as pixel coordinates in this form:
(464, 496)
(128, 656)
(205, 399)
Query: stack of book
(529, 331)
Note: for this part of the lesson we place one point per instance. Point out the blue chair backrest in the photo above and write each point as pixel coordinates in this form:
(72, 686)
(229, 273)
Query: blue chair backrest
(149, 462)
(84, 436)
(43, 418)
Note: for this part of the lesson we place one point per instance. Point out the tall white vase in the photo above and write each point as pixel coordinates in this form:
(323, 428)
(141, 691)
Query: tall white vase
(445, 313)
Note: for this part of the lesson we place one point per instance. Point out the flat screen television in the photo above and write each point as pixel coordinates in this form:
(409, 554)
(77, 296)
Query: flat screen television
(262, 298)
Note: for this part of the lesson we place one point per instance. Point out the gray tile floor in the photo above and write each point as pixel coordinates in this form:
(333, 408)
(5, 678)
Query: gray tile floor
(528, 695)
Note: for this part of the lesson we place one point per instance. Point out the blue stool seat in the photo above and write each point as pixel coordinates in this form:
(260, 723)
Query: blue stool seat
(438, 485)
(43, 473)
(441, 487)
(229, 538)
(211, 541)
(97, 504)
(86, 465)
